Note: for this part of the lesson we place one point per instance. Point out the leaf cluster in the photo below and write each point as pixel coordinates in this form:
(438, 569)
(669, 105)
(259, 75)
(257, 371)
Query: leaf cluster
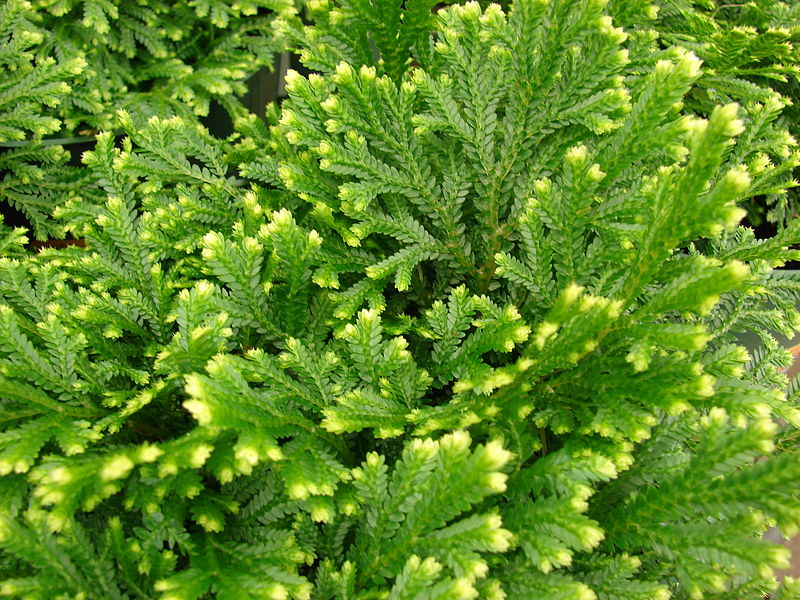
(461, 321)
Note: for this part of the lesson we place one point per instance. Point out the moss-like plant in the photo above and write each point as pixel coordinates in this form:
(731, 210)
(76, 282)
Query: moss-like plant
(751, 55)
(461, 324)
(72, 64)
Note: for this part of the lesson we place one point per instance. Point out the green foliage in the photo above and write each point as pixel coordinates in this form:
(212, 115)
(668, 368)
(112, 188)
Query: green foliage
(750, 55)
(157, 57)
(34, 85)
(30, 84)
(461, 322)
(381, 34)
(73, 64)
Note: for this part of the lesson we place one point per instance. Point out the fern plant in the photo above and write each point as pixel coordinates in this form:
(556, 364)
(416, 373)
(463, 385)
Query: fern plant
(460, 324)
(32, 88)
(158, 56)
(161, 58)
(750, 55)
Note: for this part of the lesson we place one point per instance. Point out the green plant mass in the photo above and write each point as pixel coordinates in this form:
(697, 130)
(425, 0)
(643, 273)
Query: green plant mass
(69, 66)
(749, 53)
(459, 321)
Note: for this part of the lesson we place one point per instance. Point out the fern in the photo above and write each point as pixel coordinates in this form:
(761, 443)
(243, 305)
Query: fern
(751, 57)
(459, 321)
(150, 59)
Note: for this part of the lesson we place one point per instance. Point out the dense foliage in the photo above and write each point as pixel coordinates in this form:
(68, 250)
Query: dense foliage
(69, 65)
(462, 322)
(750, 54)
